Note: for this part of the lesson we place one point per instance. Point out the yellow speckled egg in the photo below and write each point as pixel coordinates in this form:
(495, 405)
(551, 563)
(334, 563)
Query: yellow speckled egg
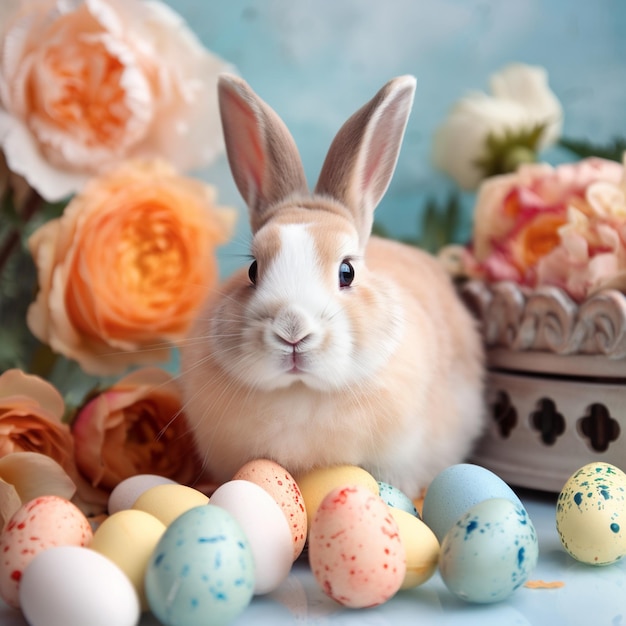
(128, 538)
(591, 514)
(420, 546)
(280, 484)
(355, 551)
(167, 502)
(317, 483)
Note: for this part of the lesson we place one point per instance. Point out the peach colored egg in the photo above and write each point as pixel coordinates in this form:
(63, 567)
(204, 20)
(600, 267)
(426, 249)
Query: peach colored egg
(42, 523)
(355, 550)
(280, 484)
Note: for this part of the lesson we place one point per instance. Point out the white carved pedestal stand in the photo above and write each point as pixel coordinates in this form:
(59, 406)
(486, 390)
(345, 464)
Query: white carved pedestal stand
(556, 385)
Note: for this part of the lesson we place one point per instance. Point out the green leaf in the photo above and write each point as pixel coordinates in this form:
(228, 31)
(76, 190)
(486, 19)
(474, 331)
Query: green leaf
(583, 148)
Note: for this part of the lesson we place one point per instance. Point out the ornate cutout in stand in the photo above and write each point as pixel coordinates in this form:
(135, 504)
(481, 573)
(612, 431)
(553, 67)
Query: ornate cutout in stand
(599, 427)
(504, 413)
(548, 421)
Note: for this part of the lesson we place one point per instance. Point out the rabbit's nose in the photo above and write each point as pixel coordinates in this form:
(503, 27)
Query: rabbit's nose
(293, 327)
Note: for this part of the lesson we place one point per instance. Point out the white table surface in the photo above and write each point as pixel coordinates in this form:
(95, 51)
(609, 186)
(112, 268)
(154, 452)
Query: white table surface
(591, 596)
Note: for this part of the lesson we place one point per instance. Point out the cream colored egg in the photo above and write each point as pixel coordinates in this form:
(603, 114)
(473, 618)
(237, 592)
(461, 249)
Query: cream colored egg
(280, 484)
(591, 514)
(128, 538)
(167, 502)
(317, 483)
(421, 548)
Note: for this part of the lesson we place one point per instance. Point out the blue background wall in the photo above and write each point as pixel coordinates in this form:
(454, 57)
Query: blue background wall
(316, 61)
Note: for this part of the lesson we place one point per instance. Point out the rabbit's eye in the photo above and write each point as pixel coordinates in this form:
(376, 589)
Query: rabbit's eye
(252, 271)
(346, 274)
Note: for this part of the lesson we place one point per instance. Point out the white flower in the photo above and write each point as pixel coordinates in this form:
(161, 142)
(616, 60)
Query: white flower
(522, 114)
(86, 84)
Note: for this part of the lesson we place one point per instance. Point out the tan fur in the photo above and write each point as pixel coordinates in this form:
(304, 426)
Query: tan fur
(406, 399)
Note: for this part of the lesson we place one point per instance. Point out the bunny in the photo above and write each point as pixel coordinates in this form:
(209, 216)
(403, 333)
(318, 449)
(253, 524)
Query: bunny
(332, 347)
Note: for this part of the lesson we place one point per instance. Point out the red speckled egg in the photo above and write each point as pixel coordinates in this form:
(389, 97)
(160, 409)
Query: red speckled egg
(37, 525)
(355, 550)
(280, 484)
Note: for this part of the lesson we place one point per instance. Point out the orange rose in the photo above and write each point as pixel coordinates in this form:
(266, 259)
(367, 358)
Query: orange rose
(31, 414)
(135, 427)
(84, 85)
(126, 267)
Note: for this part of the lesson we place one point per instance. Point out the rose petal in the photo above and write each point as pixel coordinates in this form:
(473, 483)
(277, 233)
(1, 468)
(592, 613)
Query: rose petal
(10, 502)
(35, 475)
(16, 383)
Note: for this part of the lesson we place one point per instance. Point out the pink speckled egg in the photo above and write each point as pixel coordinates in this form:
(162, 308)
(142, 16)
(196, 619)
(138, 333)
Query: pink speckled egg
(355, 550)
(280, 484)
(37, 525)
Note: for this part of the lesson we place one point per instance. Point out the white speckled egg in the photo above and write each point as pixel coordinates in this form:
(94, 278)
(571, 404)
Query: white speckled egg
(36, 526)
(455, 490)
(280, 484)
(202, 570)
(489, 552)
(355, 551)
(266, 528)
(395, 498)
(74, 586)
(591, 514)
(125, 494)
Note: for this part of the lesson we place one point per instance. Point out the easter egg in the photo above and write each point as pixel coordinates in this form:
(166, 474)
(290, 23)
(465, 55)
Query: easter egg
(266, 528)
(395, 498)
(74, 586)
(125, 493)
(201, 571)
(591, 514)
(128, 538)
(489, 552)
(317, 483)
(455, 490)
(167, 501)
(355, 551)
(280, 484)
(421, 548)
(36, 526)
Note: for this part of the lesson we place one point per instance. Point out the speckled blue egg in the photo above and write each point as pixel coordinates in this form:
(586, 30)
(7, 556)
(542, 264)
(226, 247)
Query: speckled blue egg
(489, 552)
(396, 498)
(591, 514)
(458, 488)
(202, 571)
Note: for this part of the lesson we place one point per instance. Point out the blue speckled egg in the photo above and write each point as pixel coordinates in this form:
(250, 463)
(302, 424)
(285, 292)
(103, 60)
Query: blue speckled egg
(201, 571)
(458, 488)
(395, 498)
(591, 514)
(489, 552)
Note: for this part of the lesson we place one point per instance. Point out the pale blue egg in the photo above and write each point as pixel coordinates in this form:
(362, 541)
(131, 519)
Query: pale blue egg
(458, 488)
(396, 498)
(202, 571)
(489, 552)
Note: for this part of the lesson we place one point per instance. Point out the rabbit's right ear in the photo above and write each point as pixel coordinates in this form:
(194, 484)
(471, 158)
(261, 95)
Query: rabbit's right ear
(262, 154)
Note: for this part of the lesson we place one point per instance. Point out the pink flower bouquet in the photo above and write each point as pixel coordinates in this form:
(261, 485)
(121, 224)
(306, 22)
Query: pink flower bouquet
(563, 226)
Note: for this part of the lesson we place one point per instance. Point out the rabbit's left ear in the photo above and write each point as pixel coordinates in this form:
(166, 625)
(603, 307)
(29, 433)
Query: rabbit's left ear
(362, 157)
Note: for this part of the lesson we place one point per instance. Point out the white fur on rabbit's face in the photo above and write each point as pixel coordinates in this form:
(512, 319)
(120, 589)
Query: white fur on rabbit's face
(298, 324)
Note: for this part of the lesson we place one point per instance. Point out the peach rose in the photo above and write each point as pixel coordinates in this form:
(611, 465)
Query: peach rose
(135, 427)
(31, 418)
(126, 267)
(84, 85)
